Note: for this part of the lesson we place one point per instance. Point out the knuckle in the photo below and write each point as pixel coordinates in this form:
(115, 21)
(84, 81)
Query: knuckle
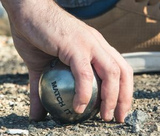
(96, 32)
(114, 71)
(86, 71)
(87, 75)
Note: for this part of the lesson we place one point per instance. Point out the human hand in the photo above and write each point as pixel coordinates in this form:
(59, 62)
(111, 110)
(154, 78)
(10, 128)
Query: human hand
(41, 31)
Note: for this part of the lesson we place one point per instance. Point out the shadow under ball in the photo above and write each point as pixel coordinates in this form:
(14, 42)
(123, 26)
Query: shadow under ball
(57, 89)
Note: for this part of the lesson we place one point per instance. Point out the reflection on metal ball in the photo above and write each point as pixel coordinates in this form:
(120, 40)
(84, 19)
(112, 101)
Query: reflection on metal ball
(57, 89)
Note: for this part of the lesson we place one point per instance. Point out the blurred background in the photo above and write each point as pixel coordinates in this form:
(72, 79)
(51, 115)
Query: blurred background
(10, 62)
(4, 24)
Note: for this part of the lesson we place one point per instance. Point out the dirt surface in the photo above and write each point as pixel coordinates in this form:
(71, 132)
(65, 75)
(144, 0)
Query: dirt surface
(14, 105)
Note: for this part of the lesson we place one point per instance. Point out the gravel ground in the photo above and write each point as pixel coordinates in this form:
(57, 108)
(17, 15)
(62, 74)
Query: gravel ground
(144, 118)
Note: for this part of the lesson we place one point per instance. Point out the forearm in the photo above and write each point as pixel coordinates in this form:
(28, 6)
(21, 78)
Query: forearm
(14, 6)
(33, 13)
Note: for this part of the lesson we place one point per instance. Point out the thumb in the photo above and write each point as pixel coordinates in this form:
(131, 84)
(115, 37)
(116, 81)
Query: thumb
(37, 111)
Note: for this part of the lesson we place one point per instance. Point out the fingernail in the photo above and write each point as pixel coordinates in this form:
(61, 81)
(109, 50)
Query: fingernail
(80, 108)
(110, 115)
(124, 118)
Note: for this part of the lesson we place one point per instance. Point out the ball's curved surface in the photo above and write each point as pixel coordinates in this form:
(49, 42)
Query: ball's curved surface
(57, 89)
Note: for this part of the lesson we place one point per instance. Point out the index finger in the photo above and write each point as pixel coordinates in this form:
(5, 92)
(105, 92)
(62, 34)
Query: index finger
(83, 74)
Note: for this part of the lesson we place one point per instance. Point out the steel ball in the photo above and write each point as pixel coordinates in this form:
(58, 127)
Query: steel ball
(57, 89)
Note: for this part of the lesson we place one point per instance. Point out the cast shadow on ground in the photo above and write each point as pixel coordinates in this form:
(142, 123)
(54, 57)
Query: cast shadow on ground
(141, 94)
(147, 93)
(14, 121)
(20, 79)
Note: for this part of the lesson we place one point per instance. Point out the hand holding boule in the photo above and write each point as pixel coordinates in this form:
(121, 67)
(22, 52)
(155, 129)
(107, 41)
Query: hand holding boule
(57, 90)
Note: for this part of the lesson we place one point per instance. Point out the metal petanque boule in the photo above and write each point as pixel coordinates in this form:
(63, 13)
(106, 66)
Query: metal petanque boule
(57, 89)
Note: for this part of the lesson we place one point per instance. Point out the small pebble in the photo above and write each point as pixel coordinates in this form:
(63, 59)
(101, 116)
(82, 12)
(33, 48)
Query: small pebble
(136, 120)
(75, 128)
(51, 123)
(136, 128)
(158, 127)
(86, 135)
(50, 133)
(137, 117)
(11, 103)
(17, 131)
(1, 96)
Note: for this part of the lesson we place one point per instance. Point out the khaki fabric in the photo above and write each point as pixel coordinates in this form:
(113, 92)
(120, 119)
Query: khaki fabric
(131, 26)
(4, 27)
